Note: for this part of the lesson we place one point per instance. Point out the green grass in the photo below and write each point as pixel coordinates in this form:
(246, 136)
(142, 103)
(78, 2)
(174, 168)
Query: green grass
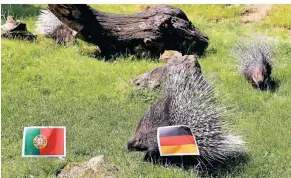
(45, 84)
(280, 16)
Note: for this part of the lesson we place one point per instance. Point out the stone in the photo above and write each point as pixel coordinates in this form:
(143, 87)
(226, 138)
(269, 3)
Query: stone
(95, 162)
(95, 167)
(157, 76)
(168, 54)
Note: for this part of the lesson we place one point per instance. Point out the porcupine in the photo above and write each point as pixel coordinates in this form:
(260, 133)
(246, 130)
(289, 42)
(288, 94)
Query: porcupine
(188, 99)
(50, 26)
(255, 61)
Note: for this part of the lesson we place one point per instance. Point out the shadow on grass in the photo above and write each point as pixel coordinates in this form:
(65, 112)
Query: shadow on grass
(111, 57)
(272, 86)
(19, 11)
(208, 52)
(230, 166)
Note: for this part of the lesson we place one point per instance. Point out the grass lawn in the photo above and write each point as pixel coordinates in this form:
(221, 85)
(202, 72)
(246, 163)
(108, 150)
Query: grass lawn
(45, 84)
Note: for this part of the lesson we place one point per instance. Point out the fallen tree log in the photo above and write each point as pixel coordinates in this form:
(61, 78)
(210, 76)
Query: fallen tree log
(149, 32)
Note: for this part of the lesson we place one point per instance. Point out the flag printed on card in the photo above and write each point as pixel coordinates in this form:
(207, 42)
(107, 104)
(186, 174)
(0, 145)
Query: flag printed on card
(176, 140)
(44, 142)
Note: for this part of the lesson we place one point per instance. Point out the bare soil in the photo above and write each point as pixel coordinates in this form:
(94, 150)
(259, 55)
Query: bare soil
(256, 12)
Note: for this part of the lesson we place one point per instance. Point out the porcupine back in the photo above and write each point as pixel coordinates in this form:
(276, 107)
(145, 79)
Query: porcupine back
(254, 57)
(194, 104)
(188, 100)
(50, 26)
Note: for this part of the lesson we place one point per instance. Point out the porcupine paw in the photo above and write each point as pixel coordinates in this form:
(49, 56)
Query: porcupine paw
(152, 156)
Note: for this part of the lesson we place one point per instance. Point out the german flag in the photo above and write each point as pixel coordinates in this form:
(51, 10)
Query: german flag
(176, 140)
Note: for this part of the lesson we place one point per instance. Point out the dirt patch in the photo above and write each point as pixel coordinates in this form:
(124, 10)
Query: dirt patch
(256, 12)
(145, 6)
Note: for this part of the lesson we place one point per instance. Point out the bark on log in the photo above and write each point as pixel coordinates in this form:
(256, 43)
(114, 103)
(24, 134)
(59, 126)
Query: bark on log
(149, 32)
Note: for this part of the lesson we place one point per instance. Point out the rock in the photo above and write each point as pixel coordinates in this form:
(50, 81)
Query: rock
(95, 167)
(155, 77)
(95, 162)
(151, 79)
(167, 54)
(73, 171)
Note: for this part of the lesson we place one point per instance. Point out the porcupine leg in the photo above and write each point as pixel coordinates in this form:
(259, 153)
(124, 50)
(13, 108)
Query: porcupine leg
(152, 156)
(268, 84)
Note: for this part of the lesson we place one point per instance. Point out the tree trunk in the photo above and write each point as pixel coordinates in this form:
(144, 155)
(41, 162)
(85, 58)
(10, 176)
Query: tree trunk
(149, 32)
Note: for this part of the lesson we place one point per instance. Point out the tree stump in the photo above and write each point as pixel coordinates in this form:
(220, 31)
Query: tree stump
(149, 32)
(14, 29)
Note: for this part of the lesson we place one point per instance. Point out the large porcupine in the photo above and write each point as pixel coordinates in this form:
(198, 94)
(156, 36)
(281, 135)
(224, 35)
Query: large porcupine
(188, 100)
(255, 61)
(50, 26)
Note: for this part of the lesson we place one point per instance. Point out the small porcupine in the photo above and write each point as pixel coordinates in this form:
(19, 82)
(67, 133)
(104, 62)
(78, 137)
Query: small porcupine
(50, 26)
(188, 100)
(255, 61)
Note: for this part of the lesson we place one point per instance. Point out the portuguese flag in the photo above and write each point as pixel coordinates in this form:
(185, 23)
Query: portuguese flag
(176, 140)
(44, 142)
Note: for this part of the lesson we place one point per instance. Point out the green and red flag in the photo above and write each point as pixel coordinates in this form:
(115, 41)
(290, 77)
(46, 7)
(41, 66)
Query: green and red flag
(44, 142)
(176, 140)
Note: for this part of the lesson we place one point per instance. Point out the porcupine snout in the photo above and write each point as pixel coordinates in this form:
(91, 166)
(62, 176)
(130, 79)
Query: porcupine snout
(257, 77)
(136, 144)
